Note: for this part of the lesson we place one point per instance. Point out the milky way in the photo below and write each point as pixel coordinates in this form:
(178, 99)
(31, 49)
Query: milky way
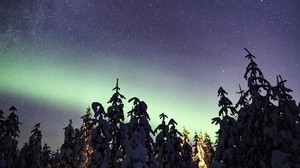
(57, 57)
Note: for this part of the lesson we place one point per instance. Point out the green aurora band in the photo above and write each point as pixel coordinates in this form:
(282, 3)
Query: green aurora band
(56, 79)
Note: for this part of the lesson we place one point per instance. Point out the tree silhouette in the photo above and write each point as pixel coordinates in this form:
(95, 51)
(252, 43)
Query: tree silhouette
(203, 152)
(9, 145)
(100, 138)
(161, 138)
(23, 155)
(2, 135)
(115, 115)
(173, 146)
(67, 155)
(263, 134)
(198, 152)
(283, 130)
(139, 147)
(55, 160)
(46, 156)
(186, 150)
(2, 126)
(83, 147)
(226, 151)
(168, 144)
(115, 112)
(31, 153)
(254, 117)
(35, 148)
(209, 152)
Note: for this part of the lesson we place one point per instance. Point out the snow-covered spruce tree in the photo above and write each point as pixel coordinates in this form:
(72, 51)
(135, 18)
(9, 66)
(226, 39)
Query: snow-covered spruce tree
(66, 155)
(31, 153)
(254, 117)
(2, 133)
(269, 133)
(2, 126)
(139, 147)
(24, 151)
(226, 149)
(173, 146)
(283, 131)
(55, 162)
(115, 115)
(242, 105)
(78, 149)
(34, 157)
(46, 156)
(9, 145)
(83, 149)
(198, 152)
(186, 150)
(168, 149)
(209, 152)
(161, 131)
(106, 135)
(100, 138)
(81, 142)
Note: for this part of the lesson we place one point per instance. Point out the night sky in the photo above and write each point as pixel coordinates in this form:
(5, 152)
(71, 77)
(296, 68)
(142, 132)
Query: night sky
(59, 56)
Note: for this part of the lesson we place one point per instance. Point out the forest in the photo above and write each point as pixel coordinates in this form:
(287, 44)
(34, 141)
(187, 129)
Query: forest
(261, 130)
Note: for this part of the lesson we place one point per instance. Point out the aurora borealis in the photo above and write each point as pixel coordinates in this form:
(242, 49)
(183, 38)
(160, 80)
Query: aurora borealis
(59, 56)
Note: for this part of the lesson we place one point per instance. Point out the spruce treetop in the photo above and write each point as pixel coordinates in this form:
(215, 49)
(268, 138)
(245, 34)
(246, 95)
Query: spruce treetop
(87, 117)
(117, 96)
(37, 126)
(243, 102)
(98, 110)
(12, 123)
(225, 103)
(36, 133)
(163, 116)
(254, 75)
(13, 109)
(252, 67)
(280, 91)
(139, 109)
(115, 111)
(249, 55)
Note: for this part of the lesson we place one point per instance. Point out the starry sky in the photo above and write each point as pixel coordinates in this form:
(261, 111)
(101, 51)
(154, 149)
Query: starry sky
(59, 56)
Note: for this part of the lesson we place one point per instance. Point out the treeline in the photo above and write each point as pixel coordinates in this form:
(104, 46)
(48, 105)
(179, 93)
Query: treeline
(105, 140)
